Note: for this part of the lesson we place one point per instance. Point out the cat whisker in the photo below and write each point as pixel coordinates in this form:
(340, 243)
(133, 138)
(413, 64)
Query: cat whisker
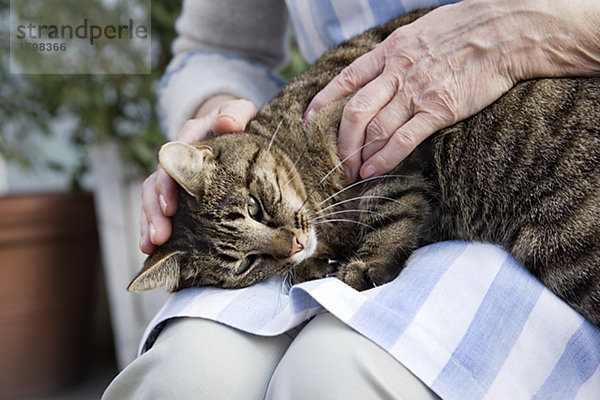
(355, 199)
(297, 170)
(328, 221)
(287, 281)
(291, 178)
(334, 168)
(274, 134)
(344, 160)
(353, 185)
(344, 212)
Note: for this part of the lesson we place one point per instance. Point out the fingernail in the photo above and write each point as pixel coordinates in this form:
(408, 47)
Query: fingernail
(367, 171)
(228, 116)
(309, 115)
(163, 204)
(152, 231)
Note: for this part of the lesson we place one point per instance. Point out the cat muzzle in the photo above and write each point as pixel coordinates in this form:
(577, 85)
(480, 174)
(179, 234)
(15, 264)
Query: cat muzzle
(285, 245)
(297, 247)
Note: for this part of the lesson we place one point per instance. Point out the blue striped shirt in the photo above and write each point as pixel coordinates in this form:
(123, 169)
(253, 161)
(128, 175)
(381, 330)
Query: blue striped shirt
(322, 24)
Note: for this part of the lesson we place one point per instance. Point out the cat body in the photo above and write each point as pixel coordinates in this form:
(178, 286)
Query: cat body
(523, 173)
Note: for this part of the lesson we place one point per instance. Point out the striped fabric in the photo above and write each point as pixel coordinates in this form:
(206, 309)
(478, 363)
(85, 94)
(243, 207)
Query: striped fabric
(322, 24)
(465, 318)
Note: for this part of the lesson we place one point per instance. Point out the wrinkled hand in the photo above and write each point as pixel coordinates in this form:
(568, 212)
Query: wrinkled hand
(221, 114)
(425, 76)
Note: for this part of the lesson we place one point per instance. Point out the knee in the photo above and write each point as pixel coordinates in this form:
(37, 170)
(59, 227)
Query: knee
(317, 363)
(330, 360)
(194, 358)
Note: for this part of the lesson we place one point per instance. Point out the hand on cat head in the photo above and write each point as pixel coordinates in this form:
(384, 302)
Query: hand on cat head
(220, 114)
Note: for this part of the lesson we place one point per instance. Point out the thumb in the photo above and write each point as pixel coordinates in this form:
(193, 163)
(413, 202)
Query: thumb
(232, 116)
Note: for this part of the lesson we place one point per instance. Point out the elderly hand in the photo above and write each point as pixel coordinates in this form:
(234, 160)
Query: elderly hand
(447, 66)
(219, 114)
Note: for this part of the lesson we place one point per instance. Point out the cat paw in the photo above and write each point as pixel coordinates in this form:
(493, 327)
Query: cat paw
(312, 269)
(361, 275)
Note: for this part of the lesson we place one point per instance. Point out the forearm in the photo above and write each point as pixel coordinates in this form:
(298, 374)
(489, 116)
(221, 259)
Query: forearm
(550, 38)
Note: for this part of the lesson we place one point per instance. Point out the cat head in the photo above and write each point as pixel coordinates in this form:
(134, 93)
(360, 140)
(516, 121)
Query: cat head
(242, 216)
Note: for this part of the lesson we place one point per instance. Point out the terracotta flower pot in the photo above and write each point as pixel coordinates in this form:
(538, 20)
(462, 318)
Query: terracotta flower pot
(48, 259)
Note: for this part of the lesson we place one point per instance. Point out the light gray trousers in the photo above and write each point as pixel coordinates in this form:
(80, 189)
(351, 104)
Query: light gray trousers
(201, 359)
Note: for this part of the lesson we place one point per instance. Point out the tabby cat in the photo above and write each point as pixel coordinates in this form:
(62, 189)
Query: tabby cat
(523, 173)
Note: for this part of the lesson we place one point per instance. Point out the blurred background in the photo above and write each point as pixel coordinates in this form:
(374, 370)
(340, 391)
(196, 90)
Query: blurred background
(74, 151)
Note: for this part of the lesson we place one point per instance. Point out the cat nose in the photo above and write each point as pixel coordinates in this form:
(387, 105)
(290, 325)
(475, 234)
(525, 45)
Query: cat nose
(285, 245)
(297, 247)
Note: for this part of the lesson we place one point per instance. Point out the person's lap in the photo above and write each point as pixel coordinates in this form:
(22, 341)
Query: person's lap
(196, 358)
(329, 360)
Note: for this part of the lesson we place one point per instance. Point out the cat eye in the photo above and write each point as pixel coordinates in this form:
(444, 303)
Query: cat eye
(245, 264)
(254, 208)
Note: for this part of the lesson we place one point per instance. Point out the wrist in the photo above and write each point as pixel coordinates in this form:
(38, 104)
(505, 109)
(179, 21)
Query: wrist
(552, 38)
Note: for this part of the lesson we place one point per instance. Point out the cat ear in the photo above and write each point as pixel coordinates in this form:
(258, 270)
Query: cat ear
(183, 162)
(160, 269)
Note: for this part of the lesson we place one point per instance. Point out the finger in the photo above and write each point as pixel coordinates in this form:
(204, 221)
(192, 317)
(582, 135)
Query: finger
(158, 228)
(387, 121)
(194, 130)
(233, 116)
(361, 71)
(146, 245)
(166, 191)
(400, 144)
(358, 112)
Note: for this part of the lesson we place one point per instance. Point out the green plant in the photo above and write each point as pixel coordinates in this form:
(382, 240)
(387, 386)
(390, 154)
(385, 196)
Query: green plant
(92, 107)
(296, 63)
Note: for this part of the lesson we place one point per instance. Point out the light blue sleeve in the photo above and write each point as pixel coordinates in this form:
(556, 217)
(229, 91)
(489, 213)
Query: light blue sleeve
(322, 24)
(226, 46)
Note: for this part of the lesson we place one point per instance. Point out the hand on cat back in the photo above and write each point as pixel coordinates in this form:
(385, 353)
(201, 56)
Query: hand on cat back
(219, 114)
(447, 66)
